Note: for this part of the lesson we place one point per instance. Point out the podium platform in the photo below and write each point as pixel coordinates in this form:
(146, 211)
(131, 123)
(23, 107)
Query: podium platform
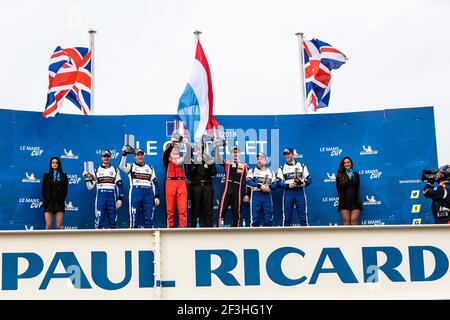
(345, 262)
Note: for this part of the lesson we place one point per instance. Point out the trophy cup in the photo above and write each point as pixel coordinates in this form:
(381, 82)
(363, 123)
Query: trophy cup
(178, 131)
(266, 181)
(298, 177)
(129, 144)
(89, 168)
(219, 136)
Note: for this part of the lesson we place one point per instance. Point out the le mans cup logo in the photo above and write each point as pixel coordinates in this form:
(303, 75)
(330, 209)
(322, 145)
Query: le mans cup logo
(368, 150)
(68, 154)
(70, 227)
(334, 200)
(371, 201)
(30, 178)
(372, 222)
(73, 178)
(221, 176)
(35, 151)
(372, 173)
(35, 203)
(333, 151)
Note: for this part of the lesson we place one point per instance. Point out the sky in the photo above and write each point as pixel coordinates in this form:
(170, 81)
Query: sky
(144, 51)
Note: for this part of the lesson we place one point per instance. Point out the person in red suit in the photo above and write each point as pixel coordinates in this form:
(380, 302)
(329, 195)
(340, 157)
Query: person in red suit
(175, 186)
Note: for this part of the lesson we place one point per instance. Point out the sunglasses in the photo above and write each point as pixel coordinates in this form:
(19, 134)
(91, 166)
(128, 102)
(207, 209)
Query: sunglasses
(106, 156)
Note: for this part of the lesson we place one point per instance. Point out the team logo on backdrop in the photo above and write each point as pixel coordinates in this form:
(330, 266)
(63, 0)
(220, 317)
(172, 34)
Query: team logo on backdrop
(368, 150)
(330, 177)
(68, 154)
(73, 178)
(371, 201)
(114, 153)
(30, 178)
(29, 228)
(35, 151)
(334, 200)
(410, 181)
(35, 203)
(334, 151)
(374, 222)
(70, 206)
(373, 173)
(297, 155)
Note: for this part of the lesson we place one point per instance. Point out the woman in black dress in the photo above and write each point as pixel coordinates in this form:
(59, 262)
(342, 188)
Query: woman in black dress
(54, 191)
(347, 185)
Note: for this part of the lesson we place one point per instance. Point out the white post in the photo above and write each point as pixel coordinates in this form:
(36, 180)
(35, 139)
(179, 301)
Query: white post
(303, 106)
(92, 47)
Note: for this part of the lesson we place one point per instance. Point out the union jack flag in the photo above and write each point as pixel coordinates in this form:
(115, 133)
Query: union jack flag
(69, 77)
(320, 59)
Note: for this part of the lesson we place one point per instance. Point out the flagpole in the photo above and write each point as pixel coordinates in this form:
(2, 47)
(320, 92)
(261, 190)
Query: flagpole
(197, 34)
(303, 107)
(92, 48)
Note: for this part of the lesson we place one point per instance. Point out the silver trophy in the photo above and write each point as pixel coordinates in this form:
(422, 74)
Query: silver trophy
(129, 143)
(298, 177)
(178, 131)
(266, 181)
(89, 168)
(219, 135)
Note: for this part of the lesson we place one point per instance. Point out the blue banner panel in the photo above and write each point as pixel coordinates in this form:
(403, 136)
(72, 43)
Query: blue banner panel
(389, 149)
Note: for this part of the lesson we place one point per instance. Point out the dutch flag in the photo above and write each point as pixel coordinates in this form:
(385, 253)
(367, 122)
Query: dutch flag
(195, 107)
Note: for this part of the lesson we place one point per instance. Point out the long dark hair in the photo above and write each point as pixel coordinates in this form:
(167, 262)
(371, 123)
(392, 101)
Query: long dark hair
(60, 169)
(342, 173)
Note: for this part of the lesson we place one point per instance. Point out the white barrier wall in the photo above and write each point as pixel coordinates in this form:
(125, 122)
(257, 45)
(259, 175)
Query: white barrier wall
(376, 262)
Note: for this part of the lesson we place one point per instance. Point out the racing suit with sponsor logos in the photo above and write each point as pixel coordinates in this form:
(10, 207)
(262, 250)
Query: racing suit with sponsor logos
(109, 190)
(261, 202)
(288, 174)
(235, 173)
(143, 191)
(175, 188)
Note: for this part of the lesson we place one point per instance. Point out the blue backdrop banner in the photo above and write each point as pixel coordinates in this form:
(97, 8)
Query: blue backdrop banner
(389, 149)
